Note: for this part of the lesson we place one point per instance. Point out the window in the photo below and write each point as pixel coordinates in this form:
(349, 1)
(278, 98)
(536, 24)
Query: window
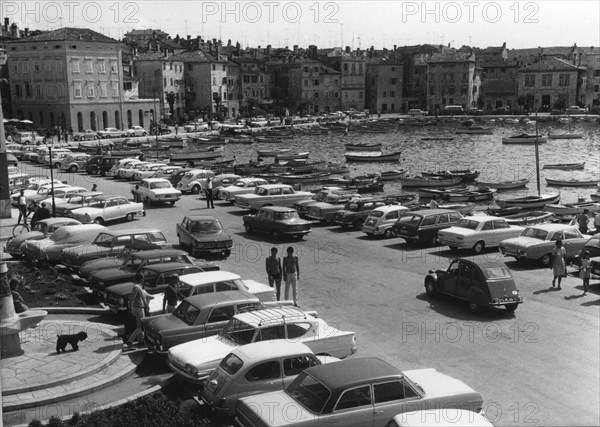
(103, 90)
(88, 66)
(75, 66)
(529, 79)
(25, 66)
(36, 67)
(392, 94)
(394, 81)
(77, 89)
(171, 81)
(564, 79)
(487, 226)
(269, 333)
(388, 392)
(264, 371)
(546, 79)
(596, 88)
(224, 67)
(101, 67)
(316, 94)
(113, 66)
(443, 219)
(214, 67)
(295, 365)
(254, 79)
(384, 107)
(297, 330)
(354, 398)
(38, 90)
(27, 89)
(91, 90)
(316, 83)
(220, 314)
(428, 220)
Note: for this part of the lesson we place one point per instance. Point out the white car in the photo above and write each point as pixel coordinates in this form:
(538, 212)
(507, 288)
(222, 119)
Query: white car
(122, 164)
(242, 186)
(196, 127)
(195, 360)
(130, 169)
(60, 195)
(194, 180)
(158, 190)
(574, 109)
(102, 209)
(147, 171)
(136, 131)
(381, 220)
(416, 112)
(165, 171)
(111, 133)
(477, 233)
(33, 186)
(86, 135)
(446, 417)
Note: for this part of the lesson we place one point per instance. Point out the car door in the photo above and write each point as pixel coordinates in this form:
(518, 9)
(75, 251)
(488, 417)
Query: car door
(354, 408)
(218, 318)
(264, 376)
(392, 397)
(486, 234)
(501, 232)
(465, 279)
(123, 207)
(573, 241)
(258, 222)
(450, 280)
(111, 210)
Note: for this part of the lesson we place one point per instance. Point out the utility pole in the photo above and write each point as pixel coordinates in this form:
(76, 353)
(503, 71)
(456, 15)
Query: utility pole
(5, 208)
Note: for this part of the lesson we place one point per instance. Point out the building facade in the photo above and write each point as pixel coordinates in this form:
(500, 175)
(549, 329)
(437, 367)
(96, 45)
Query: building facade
(384, 86)
(255, 84)
(591, 60)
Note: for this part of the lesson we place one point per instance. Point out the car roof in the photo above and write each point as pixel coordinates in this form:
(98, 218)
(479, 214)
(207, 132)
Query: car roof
(267, 350)
(200, 217)
(426, 212)
(276, 316)
(132, 231)
(278, 209)
(155, 180)
(50, 221)
(208, 277)
(212, 299)
(168, 266)
(269, 186)
(483, 263)
(352, 371)
(108, 197)
(389, 208)
(552, 227)
(157, 253)
(96, 194)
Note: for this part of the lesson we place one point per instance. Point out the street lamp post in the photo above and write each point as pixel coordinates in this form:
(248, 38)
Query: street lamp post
(5, 210)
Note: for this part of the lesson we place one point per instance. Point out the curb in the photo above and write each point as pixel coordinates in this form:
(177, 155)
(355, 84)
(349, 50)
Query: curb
(74, 310)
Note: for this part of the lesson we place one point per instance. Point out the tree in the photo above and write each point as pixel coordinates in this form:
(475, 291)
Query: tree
(170, 97)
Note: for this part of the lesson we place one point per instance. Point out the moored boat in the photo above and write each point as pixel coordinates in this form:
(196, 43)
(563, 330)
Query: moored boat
(424, 181)
(567, 135)
(372, 156)
(572, 182)
(273, 153)
(464, 175)
(524, 138)
(290, 156)
(503, 185)
(565, 166)
(529, 218)
(393, 174)
(363, 147)
(470, 196)
(475, 130)
(463, 208)
(572, 208)
(308, 178)
(530, 202)
(436, 138)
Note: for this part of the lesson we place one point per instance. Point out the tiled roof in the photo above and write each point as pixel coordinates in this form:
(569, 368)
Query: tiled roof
(153, 56)
(551, 64)
(69, 34)
(450, 57)
(194, 56)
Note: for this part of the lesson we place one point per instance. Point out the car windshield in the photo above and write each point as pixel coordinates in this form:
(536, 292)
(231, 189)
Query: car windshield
(496, 273)
(96, 203)
(535, 233)
(376, 214)
(240, 184)
(287, 215)
(467, 223)
(309, 392)
(104, 239)
(238, 332)
(410, 219)
(206, 226)
(594, 242)
(231, 364)
(352, 207)
(187, 313)
(163, 184)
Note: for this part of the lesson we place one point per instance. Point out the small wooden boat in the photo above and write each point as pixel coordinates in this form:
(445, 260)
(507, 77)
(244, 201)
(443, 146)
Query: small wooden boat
(240, 140)
(475, 130)
(470, 196)
(423, 181)
(290, 156)
(363, 147)
(463, 208)
(565, 166)
(465, 175)
(195, 156)
(572, 208)
(524, 138)
(393, 174)
(273, 153)
(530, 202)
(503, 185)
(372, 156)
(528, 218)
(436, 138)
(572, 182)
(567, 135)
(503, 211)
(308, 178)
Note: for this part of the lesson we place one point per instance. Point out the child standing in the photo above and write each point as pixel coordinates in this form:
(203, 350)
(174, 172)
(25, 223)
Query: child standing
(585, 271)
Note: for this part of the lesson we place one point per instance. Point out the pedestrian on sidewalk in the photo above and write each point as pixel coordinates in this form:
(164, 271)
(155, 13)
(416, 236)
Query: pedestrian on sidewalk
(585, 271)
(291, 273)
(583, 220)
(22, 205)
(176, 129)
(95, 187)
(209, 194)
(558, 264)
(274, 271)
(138, 306)
(43, 213)
(137, 197)
(170, 299)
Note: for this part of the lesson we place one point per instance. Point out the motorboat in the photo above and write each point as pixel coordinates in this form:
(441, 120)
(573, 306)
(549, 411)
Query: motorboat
(525, 138)
(460, 194)
(530, 202)
(572, 182)
(290, 156)
(273, 153)
(372, 156)
(503, 185)
(393, 174)
(565, 166)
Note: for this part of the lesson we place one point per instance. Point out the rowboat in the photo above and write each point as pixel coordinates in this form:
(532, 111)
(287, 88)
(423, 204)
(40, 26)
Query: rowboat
(464, 175)
(524, 138)
(372, 156)
(503, 185)
(475, 130)
(422, 181)
(206, 140)
(460, 194)
(567, 135)
(503, 211)
(308, 178)
(529, 218)
(572, 182)
(572, 208)
(393, 174)
(530, 202)
(363, 147)
(436, 138)
(240, 140)
(273, 153)
(194, 156)
(565, 166)
(463, 208)
(290, 156)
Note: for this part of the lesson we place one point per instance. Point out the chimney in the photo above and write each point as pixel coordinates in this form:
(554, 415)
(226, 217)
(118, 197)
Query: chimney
(347, 49)
(269, 50)
(295, 49)
(6, 22)
(229, 43)
(395, 48)
(26, 33)
(210, 47)
(14, 30)
(189, 37)
(238, 48)
(217, 50)
(198, 40)
(591, 48)
(154, 36)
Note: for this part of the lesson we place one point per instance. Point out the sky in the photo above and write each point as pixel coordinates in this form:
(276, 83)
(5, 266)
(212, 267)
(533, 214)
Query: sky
(358, 24)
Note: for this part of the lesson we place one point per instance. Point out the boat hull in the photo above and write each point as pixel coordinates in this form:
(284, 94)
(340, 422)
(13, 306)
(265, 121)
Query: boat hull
(565, 166)
(526, 140)
(504, 185)
(530, 202)
(363, 147)
(528, 218)
(392, 157)
(571, 183)
(415, 182)
(572, 209)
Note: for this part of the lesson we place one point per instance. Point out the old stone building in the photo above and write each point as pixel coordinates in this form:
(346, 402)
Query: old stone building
(499, 79)
(384, 86)
(591, 60)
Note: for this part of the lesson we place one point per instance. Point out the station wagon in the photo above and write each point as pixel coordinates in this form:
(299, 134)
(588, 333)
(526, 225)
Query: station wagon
(422, 226)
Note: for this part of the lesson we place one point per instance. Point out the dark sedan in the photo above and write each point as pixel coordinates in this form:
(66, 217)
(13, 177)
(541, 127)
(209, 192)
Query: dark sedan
(203, 234)
(479, 283)
(277, 221)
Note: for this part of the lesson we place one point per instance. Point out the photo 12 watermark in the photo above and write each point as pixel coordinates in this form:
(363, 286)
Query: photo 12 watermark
(469, 12)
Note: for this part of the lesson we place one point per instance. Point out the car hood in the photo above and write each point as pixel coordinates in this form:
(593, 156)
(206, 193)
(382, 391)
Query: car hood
(121, 289)
(162, 323)
(457, 231)
(99, 264)
(259, 289)
(323, 205)
(211, 236)
(521, 242)
(436, 384)
(262, 406)
(89, 211)
(87, 250)
(31, 235)
(111, 274)
(202, 351)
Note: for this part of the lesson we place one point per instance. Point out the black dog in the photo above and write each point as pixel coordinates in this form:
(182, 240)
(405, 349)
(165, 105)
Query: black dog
(63, 340)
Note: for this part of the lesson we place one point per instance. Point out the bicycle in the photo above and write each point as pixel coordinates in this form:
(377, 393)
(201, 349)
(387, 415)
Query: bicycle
(20, 229)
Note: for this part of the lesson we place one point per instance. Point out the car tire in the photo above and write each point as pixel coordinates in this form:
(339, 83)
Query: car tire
(545, 260)
(172, 202)
(431, 288)
(433, 241)
(129, 216)
(478, 248)
(227, 253)
(248, 228)
(511, 307)
(99, 221)
(388, 234)
(473, 308)
(196, 189)
(57, 165)
(144, 134)
(73, 169)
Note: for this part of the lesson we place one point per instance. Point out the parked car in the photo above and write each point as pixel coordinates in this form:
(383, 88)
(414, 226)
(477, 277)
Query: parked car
(302, 205)
(574, 109)
(477, 233)
(156, 278)
(74, 162)
(257, 368)
(416, 112)
(592, 247)
(50, 248)
(27, 137)
(128, 170)
(60, 194)
(136, 260)
(86, 135)
(202, 234)
(75, 201)
(194, 181)
(197, 317)
(197, 126)
(34, 185)
(595, 265)
(147, 171)
(159, 190)
(112, 133)
(481, 283)
(277, 221)
(104, 208)
(536, 243)
(333, 203)
(57, 155)
(271, 195)
(221, 181)
(110, 243)
(355, 211)
(126, 162)
(177, 176)
(165, 171)
(195, 360)
(422, 226)
(19, 151)
(40, 230)
(356, 392)
(44, 192)
(136, 131)
(381, 220)
(241, 186)
(447, 416)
